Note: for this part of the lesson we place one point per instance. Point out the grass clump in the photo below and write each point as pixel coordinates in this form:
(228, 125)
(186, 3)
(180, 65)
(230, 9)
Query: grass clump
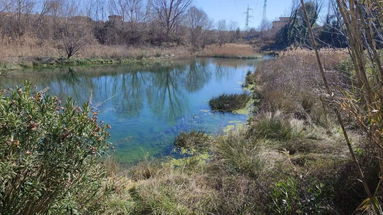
(273, 126)
(238, 155)
(169, 190)
(229, 103)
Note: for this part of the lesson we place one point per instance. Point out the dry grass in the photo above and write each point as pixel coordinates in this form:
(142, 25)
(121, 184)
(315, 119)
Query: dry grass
(24, 52)
(29, 49)
(292, 83)
(230, 50)
(330, 57)
(16, 51)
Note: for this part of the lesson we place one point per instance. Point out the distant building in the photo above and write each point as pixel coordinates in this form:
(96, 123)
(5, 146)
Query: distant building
(279, 24)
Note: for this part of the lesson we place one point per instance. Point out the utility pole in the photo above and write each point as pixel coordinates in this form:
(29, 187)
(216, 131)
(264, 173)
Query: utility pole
(248, 16)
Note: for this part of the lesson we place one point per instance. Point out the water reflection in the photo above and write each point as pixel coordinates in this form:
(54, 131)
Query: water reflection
(196, 76)
(147, 108)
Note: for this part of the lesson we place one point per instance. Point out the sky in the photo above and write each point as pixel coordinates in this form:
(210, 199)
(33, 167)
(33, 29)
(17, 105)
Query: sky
(234, 10)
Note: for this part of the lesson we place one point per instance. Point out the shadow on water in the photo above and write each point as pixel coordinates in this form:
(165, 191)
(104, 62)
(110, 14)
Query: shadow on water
(146, 108)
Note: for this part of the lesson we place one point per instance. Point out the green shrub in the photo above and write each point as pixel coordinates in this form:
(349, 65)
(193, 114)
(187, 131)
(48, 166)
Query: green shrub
(48, 155)
(229, 103)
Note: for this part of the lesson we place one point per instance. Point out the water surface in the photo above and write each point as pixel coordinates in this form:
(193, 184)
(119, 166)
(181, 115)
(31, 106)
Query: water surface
(147, 108)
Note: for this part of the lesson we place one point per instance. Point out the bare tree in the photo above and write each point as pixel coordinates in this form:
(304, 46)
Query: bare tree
(233, 26)
(118, 7)
(21, 10)
(5, 5)
(169, 13)
(49, 11)
(73, 40)
(197, 21)
(74, 30)
(134, 11)
(96, 9)
(222, 32)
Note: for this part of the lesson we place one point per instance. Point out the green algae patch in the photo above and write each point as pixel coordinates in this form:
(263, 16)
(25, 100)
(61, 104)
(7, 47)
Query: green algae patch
(247, 109)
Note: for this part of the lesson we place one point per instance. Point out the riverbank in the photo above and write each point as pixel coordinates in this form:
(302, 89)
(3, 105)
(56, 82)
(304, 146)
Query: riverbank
(36, 57)
(290, 158)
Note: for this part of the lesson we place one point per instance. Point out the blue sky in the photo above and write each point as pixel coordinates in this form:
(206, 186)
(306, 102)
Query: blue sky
(234, 10)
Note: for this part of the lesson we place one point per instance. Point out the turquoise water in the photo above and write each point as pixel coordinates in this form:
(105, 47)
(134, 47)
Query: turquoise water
(147, 108)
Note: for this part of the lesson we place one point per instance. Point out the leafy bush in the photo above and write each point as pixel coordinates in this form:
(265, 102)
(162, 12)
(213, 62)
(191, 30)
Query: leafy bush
(229, 103)
(48, 154)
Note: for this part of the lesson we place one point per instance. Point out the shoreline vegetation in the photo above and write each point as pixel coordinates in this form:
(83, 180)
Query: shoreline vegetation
(104, 55)
(93, 55)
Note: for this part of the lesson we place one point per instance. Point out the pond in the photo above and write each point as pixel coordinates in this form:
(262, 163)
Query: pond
(147, 108)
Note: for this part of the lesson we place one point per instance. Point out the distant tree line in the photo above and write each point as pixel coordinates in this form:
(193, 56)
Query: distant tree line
(111, 22)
